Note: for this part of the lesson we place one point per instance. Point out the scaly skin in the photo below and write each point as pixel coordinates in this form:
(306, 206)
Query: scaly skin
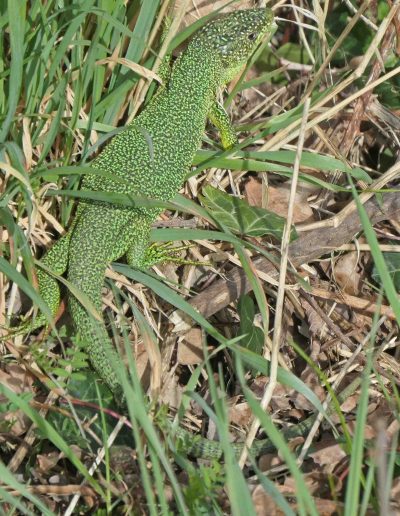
(151, 157)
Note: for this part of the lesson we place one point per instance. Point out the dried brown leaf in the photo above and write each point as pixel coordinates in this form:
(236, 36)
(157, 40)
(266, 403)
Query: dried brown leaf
(346, 273)
(268, 461)
(253, 190)
(19, 381)
(46, 462)
(190, 349)
(264, 503)
(171, 392)
(311, 380)
(316, 326)
(240, 414)
(278, 200)
(327, 454)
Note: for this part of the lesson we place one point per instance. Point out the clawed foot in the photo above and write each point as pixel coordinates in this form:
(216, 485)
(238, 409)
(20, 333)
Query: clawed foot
(164, 253)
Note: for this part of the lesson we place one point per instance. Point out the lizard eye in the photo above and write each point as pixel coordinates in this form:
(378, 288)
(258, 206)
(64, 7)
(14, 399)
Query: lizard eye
(252, 36)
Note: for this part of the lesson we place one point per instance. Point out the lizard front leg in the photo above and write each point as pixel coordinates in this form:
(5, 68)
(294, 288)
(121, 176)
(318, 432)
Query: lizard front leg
(220, 118)
(141, 254)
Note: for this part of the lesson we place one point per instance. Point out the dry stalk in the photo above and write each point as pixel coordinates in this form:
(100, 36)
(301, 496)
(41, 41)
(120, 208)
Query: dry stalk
(281, 291)
(353, 129)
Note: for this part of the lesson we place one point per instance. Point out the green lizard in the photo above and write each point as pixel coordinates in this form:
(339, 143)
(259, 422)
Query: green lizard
(150, 158)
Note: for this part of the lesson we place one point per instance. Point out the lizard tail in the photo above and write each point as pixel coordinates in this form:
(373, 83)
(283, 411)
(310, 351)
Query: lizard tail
(86, 270)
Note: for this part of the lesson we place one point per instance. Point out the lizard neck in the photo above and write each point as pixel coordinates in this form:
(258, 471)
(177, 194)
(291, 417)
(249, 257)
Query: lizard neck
(196, 75)
(174, 124)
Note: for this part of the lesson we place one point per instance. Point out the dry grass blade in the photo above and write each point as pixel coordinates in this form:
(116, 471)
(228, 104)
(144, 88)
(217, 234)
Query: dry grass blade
(100, 456)
(140, 70)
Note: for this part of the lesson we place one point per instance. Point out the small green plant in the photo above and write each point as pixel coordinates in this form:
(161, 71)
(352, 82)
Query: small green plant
(204, 489)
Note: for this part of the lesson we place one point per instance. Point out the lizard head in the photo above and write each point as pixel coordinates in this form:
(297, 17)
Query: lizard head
(233, 37)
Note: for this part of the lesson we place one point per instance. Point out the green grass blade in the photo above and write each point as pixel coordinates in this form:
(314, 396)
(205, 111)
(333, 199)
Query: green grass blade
(16, 14)
(273, 491)
(355, 479)
(236, 485)
(378, 257)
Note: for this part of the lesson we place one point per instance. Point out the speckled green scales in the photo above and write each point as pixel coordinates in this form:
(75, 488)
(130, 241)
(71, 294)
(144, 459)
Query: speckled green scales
(152, 157)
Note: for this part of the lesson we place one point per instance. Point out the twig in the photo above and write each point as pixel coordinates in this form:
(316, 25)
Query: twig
(57, 490)
(365, 305)
(337, 219)
(366, 20)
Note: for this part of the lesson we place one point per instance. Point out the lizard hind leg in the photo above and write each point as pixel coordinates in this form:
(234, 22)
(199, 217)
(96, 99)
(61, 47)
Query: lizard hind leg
(139, 254)
(156, 253)
(219, 117)
(55, 259)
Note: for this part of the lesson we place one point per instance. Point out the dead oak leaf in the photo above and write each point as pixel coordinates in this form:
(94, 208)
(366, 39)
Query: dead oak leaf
(327, 455)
